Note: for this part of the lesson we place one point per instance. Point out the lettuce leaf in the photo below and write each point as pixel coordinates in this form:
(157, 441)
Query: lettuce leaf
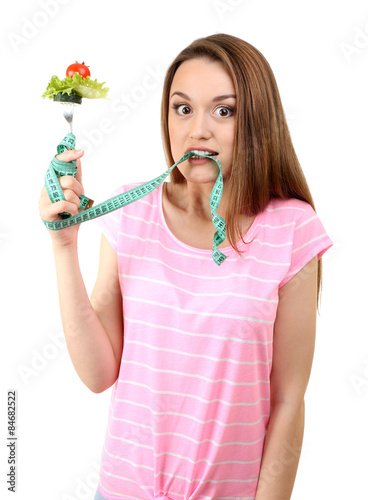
(85, 87)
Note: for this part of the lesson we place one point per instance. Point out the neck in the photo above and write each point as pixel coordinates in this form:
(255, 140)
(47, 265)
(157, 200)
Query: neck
(194, 198)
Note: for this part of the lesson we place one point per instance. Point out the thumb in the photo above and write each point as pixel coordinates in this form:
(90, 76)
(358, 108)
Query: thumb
(70, 154)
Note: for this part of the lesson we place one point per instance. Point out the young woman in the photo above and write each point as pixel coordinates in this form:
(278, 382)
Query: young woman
(209, 363)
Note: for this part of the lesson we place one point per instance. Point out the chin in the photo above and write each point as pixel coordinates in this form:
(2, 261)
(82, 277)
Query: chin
(201, 179)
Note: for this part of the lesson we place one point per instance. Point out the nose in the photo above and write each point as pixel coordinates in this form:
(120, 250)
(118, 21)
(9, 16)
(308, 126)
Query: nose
(200, 126)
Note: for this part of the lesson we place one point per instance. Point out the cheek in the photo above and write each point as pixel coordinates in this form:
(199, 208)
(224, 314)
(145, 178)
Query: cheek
(230, 144)
(171, 129)
(175, 138)
(229, 136)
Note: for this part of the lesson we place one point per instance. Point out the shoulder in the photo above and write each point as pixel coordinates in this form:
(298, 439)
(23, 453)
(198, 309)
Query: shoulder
(289, 211)
(292, 206)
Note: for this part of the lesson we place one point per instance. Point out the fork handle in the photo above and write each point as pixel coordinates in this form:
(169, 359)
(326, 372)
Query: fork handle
(58, 168)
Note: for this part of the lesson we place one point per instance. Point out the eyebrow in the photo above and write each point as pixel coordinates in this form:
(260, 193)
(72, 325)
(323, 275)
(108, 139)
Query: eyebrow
(215, 99)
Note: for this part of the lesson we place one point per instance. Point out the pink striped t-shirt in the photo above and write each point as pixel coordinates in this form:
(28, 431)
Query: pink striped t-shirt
(189, 411)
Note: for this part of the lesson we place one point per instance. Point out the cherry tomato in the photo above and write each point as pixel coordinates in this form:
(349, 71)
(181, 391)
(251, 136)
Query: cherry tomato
(80, 68)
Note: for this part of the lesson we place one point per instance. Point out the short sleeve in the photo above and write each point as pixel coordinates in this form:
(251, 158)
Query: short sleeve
(309, 239)
(109, 223)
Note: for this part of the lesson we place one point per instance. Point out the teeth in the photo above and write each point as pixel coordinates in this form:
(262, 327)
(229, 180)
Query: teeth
(200, 153)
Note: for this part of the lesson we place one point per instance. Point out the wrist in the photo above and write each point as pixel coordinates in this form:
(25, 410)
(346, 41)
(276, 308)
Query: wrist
(64, 247)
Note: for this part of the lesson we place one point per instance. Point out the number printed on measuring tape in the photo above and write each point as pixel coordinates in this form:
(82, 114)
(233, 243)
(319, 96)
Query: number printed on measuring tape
(59, 168)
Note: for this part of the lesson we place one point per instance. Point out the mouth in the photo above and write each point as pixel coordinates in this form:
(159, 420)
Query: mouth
(200, 153)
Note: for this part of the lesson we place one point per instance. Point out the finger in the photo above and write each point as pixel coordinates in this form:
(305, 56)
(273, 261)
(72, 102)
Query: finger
(79, 171)
(51, 212)
(72, 154)
(44, 198)
(71, 197)
(70, 182)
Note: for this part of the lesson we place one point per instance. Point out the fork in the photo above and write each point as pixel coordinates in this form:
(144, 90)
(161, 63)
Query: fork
(68, 114)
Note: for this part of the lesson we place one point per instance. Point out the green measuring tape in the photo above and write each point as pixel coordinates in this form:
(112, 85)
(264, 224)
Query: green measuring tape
(59, 168)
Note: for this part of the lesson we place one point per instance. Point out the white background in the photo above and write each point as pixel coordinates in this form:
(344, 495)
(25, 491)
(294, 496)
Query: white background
(318, 51)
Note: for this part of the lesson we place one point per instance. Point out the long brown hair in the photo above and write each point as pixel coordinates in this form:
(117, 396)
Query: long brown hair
(265, 164)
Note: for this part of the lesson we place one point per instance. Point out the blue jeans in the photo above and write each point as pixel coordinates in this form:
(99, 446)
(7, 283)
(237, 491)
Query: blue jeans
(98, 496)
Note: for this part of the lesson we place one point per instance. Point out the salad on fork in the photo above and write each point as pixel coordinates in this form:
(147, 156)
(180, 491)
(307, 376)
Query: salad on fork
(75, 86)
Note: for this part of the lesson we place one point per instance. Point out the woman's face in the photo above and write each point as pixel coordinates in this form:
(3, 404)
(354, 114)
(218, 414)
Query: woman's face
(202, 116)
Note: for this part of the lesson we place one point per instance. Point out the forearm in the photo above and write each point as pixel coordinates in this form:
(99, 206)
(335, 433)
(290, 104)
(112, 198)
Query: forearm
(281, 452)
(88, 344)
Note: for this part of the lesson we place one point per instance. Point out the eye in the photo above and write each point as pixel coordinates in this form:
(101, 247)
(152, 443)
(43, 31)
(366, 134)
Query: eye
(182, 109)
(224, 111)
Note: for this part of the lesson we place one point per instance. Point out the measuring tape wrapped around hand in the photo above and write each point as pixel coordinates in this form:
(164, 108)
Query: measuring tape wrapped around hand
(59, 168)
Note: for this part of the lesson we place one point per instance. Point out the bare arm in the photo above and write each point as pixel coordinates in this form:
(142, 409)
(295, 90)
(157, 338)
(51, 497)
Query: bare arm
(93, 328)
(294, 339)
